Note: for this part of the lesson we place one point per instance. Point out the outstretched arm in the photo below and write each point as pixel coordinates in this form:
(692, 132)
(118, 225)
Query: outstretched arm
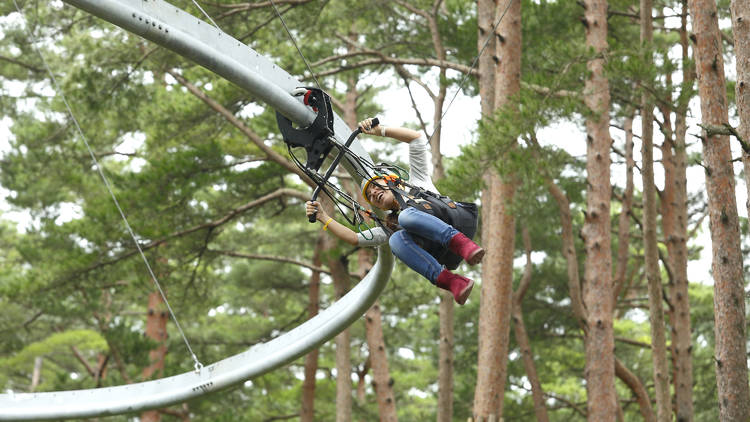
(399, 133)
(339, 230)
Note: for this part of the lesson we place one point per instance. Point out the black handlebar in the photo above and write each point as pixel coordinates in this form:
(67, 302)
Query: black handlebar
(375, 123)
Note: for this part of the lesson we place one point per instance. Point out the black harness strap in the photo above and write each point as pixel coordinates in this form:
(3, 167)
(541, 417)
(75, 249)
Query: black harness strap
(462, 216)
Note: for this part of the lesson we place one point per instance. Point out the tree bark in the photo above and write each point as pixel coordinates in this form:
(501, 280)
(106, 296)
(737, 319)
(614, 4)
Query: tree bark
(639, 391)
(486, 63)
(651, 248)
(156, 329)
(499, 229)
(727, 271)
(382, 381)
(537, 393)
(341, 283)
(600, 364)
(623, 231)
(307, 411)
(446, 310)
(674, 227)
(36, 376)
(445, 363)
(741, 31)
(576, 300)
(341, 287)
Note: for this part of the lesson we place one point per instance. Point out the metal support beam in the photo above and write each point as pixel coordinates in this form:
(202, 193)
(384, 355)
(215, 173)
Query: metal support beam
(256, 361)
(201, 42)
(186, 35)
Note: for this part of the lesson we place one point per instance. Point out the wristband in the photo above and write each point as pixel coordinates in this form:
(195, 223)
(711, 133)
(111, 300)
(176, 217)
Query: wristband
(382, 130)
(325, 226)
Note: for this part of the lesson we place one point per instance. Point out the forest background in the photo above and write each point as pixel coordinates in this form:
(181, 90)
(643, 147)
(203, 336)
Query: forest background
(204, 179)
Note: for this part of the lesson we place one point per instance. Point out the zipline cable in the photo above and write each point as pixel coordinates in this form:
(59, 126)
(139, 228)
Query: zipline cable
(473, 64)
(59, 91)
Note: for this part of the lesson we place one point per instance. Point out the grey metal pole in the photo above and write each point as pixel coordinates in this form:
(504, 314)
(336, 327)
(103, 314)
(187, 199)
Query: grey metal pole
(201, 42)
(233, 370)
(178, 31)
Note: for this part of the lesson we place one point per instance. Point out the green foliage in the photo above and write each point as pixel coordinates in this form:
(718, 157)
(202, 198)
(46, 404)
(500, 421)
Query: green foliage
(72, 276)
(56, 343)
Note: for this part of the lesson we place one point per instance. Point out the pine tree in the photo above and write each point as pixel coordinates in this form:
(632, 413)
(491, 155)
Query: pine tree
(597, 292)
(729, 303)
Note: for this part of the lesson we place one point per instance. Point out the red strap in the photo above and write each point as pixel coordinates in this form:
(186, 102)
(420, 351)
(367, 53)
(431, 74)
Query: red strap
(307, 100)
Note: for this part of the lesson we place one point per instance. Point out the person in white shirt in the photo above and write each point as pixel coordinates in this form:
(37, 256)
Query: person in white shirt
(429, 232)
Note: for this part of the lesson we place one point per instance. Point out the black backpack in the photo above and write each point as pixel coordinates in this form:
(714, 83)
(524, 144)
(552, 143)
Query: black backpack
(463, 216)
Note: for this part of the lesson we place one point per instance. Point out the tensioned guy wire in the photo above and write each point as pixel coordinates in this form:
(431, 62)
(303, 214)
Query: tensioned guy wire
(291, 37)
(59, 91)
(206, 14)
(473, 64)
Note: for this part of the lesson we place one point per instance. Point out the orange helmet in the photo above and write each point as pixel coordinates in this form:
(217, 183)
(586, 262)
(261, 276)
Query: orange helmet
(366, 183)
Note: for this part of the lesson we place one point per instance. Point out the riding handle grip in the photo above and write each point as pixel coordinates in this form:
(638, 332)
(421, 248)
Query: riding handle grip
(375, 123)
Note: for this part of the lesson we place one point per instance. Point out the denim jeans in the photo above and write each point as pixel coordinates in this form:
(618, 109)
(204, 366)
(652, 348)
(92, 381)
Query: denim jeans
(416, 222)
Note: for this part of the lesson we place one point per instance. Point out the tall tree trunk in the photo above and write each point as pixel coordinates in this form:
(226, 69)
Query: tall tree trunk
(445, 363)
(447, 303)
(446, 309)
(729, 298)
(598, 297)
(381, 379)
(623, 230)
(674, 226)
(341, 287)
(156, 329)
(486, 61)
(36, 376)
(499, 229)
(741, 30)
(341, 282)
(651, 249)
(307, 411)
(576, 300)
(540, 409)
(486, 81)
(378, 359)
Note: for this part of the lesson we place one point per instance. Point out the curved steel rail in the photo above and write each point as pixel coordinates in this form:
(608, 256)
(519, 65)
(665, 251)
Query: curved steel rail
(201, 42)
(258, 360)
(184, 34)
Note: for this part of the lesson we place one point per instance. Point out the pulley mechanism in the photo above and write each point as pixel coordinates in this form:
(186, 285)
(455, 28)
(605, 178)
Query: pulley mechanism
(315, 139)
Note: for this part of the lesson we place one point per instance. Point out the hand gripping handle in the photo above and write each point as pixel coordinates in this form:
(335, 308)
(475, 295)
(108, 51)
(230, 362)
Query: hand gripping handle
(313, 217)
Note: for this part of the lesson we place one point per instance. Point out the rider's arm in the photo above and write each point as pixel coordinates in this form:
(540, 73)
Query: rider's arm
(420, 167)
(399, 133)
(339, 230)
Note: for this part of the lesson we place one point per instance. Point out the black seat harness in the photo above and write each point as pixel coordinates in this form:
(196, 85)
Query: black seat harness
(462, 216)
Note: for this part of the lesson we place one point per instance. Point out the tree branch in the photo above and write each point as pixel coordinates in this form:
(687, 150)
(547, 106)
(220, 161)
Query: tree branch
(726, 129)
(205, 226)
(407, 61)
(275, 258)
(244, 7)
(22, 64)
(231, 118)
(79, 356)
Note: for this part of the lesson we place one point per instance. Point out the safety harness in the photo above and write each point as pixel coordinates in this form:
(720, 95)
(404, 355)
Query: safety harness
(461, 215)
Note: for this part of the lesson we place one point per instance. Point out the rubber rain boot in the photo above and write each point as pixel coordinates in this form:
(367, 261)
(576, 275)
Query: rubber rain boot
(460, 286)
(466, 249)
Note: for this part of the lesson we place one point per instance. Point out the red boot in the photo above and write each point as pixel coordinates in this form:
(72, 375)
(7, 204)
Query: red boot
(460, 286)
(466, 249)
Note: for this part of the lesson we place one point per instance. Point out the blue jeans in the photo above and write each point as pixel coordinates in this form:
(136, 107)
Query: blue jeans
(416, 222)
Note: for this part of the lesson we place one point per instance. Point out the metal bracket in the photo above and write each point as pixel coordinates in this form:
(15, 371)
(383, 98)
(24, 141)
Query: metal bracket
(314, 138)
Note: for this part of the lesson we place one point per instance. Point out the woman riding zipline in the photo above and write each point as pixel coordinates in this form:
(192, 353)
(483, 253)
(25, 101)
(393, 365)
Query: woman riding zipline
(429, 232)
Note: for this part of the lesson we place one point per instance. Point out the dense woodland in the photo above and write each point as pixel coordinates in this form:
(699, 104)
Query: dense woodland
(584, 308)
